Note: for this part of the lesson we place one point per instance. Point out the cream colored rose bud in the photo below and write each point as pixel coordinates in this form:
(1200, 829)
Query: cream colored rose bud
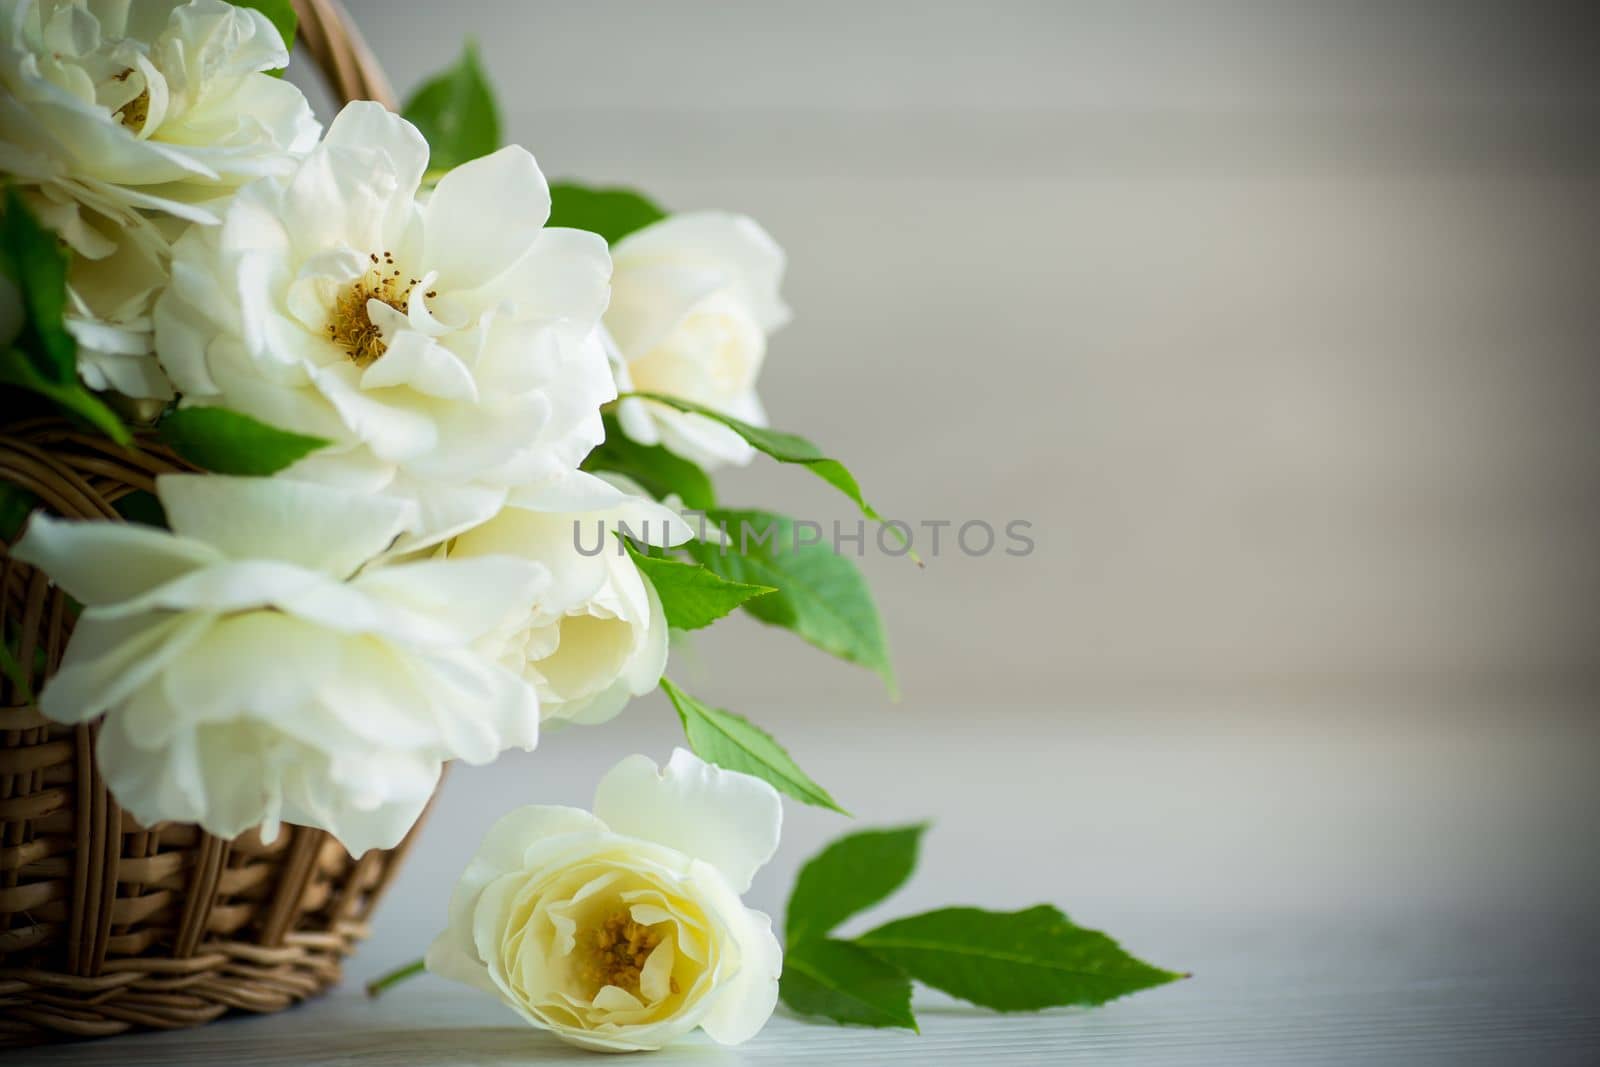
(694, 299)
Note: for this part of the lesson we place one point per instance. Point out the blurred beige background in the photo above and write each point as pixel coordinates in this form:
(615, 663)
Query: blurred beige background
(1277, 321)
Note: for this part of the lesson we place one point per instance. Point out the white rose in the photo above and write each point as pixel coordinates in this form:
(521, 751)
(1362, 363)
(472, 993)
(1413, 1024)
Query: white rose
(114, 273)
(597, 636)
(449, 350)
(111, 296)
(623, 929)
(154, 105)
(694, 298)
(251, 671)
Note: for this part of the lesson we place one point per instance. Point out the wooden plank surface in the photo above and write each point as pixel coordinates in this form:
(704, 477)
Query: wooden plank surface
(1380, 884)
(1449, 1022)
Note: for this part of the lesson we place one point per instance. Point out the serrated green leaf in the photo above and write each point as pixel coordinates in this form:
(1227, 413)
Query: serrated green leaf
(228, 442)
(32, 257)
(821, 595)
(785, 448)
(731, 741)
(1012, 961)
(691, 595)
(840, 981)
(18, 370)
(660, 472)
(849, 876)
(611, 213)
(281, 14)
(456, 112)
(16, 504)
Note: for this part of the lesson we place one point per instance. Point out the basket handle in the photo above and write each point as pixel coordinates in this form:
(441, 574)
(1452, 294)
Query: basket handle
(348, 66)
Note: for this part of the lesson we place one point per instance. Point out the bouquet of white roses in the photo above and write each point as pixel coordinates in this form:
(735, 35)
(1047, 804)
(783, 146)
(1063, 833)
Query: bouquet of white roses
(451, 431)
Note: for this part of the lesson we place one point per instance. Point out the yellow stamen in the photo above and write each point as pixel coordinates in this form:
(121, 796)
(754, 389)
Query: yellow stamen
(134, 113)
(621, 947)
(350, 326)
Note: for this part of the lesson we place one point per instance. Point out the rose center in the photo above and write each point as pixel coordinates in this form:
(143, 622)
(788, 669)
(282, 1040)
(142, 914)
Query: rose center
(350, 324)
(622, 945)
(136, 112)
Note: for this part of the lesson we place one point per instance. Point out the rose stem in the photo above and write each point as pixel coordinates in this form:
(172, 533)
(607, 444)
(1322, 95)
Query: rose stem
(395, 977)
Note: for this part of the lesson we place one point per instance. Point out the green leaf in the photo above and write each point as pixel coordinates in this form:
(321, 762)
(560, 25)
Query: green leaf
(11, 658)
(659, 471)
(231, 443)
(611, 213)
(12, 669)
(691, 595)
(785, 448)
(281, 14)
(845, 983)
(730, 741)
(821, 595)
(18, 370)
(45, 359)
(143, 508)
(16, 504)
(456, 112)
(849, 876)
(34, 260)
(1012, 961)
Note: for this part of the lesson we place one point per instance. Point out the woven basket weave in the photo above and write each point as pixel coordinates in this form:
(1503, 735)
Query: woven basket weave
(107, 926)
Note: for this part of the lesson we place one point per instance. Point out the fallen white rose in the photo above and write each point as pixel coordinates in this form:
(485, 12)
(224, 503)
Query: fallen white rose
(449, 350)
(694, 299)
(252, 672)
(623, 930)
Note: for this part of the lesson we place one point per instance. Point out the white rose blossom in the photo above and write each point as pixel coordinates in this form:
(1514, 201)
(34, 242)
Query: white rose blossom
(597, 636)
(694, 299)
(449, 349)
(149, 105)
(121, 124)
(251, 670)
(623, 929)
(110, 300)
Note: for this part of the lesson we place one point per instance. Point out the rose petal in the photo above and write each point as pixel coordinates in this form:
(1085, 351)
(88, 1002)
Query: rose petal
(727, 819)
(467, 242)
(273, 518)
(745, 1002)
(100, 562)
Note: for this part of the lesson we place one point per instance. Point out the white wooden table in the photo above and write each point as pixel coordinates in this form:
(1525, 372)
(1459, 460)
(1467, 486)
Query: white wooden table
(1379, 884)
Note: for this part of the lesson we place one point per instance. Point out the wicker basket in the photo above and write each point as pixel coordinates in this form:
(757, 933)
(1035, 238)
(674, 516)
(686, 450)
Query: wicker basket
(107, 926)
